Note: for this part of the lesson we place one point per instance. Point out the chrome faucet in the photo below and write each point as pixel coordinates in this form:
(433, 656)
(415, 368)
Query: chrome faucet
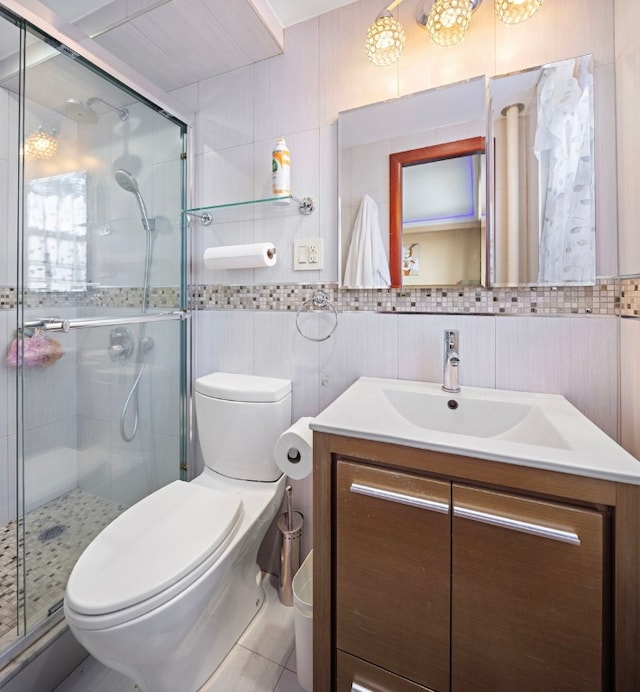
(451, 361)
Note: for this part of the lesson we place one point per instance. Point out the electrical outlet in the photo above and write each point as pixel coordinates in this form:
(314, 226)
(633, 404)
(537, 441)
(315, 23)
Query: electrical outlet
(307, 254)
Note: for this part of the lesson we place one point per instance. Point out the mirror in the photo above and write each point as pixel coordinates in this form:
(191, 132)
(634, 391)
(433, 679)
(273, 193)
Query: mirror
(542, 177)
(528, 177)
(367, 138)
(437, 228)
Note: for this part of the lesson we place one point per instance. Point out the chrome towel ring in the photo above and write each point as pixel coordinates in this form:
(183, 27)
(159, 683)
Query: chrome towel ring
(319, 301)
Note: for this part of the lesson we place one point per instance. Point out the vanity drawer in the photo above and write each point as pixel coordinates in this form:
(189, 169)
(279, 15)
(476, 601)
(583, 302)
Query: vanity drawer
(356, 675)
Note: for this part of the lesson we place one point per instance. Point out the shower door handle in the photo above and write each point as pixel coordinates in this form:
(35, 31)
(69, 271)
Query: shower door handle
(55, 324)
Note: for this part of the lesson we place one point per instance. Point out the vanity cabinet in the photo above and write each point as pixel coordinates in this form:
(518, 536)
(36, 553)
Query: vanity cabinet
(528, 594)
(441, 572)
(393, 557)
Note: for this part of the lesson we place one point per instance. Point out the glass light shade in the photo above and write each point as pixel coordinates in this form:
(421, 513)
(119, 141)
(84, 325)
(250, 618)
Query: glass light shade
(385, 40)
(448, 21)
(40, 145)
(516, 11)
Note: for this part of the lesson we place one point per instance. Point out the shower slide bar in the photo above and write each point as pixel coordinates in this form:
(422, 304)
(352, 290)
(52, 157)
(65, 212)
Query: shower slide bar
(55, 324)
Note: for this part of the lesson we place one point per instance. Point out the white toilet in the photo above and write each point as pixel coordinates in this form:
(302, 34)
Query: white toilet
(164, 591)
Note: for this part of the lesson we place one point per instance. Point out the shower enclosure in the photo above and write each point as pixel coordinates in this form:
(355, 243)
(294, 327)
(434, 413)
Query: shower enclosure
(92, 314)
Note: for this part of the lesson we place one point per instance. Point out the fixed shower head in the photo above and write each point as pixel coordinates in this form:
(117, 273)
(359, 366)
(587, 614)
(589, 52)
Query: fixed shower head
(82, 111)
(128, 183)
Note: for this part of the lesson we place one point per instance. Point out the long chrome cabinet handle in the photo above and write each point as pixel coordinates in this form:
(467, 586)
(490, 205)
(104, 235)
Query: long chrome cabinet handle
(517, 525)
(357, 687)
(401, 498)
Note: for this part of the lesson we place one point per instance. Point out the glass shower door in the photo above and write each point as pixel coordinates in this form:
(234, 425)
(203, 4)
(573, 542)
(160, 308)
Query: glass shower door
(98, 356)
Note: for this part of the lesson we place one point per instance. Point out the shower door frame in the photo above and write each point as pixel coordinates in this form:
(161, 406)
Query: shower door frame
(74, 43)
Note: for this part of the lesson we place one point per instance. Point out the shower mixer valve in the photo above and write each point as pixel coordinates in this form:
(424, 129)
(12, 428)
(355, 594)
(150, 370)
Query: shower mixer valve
(120, 344)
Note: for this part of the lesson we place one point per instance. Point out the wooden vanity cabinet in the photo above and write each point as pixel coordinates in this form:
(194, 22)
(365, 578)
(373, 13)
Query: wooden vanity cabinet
(528, 594)
(439, 572)
(393, 557)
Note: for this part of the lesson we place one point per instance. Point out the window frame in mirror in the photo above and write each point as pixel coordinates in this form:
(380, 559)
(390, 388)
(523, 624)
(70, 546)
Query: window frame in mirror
(397, 162)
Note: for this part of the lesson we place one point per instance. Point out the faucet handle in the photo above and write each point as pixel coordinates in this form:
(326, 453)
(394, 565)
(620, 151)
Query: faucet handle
(450, 340)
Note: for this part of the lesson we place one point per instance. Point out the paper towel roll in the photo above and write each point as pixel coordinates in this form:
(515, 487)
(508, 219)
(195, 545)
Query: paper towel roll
(293, 450)
(240, 256)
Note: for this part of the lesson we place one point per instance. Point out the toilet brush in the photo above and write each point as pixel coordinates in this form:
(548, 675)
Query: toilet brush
(289, 493)
(290, 528)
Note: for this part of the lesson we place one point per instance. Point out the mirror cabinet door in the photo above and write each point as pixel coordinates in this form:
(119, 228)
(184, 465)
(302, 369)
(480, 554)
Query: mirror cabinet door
(531, 223)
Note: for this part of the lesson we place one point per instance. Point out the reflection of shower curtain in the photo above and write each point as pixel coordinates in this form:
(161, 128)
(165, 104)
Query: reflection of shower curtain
(564, 148)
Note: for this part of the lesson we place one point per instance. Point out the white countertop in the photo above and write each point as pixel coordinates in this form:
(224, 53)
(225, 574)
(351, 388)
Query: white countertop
(541, 431)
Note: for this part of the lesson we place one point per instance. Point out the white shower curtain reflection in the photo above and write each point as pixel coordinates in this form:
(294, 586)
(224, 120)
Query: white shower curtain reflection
(564, 142)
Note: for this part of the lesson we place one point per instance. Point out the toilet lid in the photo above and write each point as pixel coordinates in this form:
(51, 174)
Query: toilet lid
(151, 546)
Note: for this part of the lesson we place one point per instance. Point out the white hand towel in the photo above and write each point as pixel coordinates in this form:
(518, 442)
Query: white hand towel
(367, 265)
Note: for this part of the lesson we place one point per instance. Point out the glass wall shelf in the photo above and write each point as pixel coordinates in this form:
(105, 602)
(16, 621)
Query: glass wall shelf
(251, 209)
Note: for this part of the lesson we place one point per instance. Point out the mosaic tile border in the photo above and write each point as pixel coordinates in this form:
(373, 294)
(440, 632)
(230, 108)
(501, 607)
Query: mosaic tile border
(159, 297)
(630, 296)
(610, 296)
(601, 299)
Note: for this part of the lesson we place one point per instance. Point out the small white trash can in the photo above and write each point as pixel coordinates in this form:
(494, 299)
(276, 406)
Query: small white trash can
(303, 622)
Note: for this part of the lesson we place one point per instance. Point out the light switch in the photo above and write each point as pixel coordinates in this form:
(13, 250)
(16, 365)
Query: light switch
(307, 254)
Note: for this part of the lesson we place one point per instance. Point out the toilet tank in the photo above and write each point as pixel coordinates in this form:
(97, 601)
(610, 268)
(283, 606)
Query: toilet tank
(240, 418)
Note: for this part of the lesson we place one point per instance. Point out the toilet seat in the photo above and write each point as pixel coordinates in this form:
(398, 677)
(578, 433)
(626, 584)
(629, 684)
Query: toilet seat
(127, 570)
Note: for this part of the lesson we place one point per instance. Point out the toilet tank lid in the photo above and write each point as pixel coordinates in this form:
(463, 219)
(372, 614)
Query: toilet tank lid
(152, 545)
(248, 388)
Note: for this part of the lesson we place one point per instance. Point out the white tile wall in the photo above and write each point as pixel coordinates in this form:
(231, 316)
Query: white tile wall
(629, 385)
(576, 357)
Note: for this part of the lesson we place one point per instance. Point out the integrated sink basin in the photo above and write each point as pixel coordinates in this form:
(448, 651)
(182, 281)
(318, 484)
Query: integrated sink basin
(525, 428)
(469, 413)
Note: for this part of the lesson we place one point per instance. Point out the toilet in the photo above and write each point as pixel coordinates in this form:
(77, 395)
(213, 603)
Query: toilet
(164, 592)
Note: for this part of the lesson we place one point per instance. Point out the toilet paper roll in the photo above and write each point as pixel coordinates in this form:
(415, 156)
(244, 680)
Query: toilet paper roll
(293, 450)
(240, 256)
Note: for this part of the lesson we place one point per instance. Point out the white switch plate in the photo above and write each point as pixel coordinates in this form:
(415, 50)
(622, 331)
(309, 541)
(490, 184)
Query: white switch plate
(307, 254)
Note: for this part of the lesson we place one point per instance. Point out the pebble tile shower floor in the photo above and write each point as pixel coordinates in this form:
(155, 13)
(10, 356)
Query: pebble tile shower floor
(55, 535)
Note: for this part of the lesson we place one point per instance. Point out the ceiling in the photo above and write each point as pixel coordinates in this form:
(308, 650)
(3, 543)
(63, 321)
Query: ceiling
(291, 12)
(177, 42)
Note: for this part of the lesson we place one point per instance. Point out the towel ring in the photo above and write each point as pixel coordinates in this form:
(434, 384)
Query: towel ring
(319, 300)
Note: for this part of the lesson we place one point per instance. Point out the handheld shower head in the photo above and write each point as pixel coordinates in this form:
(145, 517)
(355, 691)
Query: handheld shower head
(128, 183)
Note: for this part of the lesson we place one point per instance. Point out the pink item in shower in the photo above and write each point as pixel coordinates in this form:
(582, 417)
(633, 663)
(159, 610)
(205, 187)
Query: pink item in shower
(34, 351)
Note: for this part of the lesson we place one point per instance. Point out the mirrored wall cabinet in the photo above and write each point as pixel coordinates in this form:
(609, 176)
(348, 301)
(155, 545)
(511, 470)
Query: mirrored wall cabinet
(488, 182)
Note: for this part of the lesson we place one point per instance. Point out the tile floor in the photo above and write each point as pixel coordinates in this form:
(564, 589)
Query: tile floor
(263, 660)
(53, 536)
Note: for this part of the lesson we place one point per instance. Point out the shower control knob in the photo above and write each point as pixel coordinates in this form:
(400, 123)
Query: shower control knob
(120, 344)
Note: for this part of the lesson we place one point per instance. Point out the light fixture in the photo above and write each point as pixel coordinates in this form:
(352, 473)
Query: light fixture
(42, 144)
(385, 37)
(516, 11)
(448, 21)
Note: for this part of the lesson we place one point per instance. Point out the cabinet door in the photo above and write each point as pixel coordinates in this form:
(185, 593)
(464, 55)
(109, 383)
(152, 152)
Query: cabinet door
(393, 572)
(528, 595)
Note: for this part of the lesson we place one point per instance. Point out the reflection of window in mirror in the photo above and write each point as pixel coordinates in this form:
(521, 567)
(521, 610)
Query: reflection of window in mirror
(438, 215)
(57, 232)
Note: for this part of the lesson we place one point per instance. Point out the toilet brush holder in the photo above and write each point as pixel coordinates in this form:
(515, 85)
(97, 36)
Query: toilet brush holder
(290, 528)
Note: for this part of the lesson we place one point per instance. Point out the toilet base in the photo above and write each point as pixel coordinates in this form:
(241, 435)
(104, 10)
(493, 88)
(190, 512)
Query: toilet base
(191, 643)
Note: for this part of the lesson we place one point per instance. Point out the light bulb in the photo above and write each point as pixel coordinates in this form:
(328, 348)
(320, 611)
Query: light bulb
(40, 145)
(516, 11)
(448, 21)
(385, 40)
